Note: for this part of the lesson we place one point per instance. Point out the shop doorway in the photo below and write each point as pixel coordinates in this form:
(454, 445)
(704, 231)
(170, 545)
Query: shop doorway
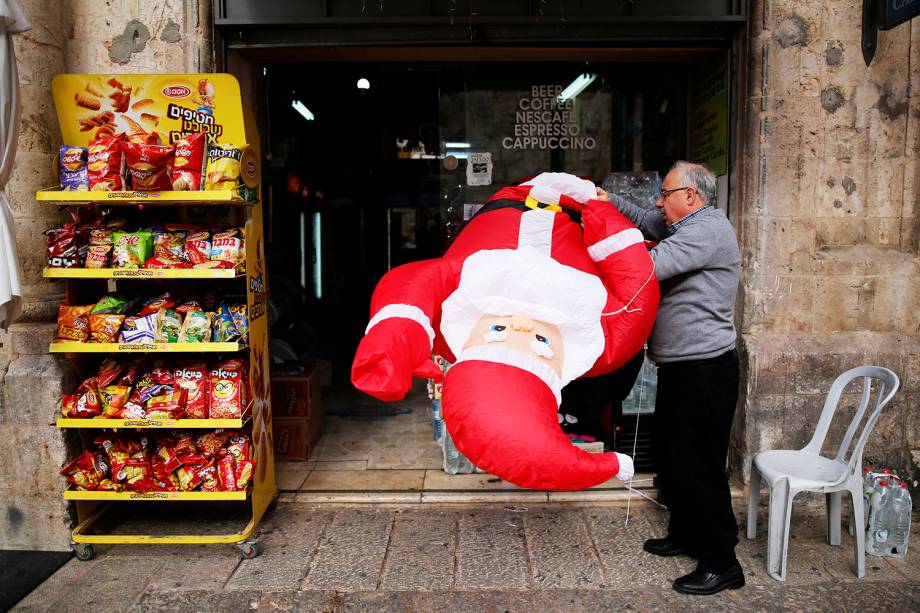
(375, 164)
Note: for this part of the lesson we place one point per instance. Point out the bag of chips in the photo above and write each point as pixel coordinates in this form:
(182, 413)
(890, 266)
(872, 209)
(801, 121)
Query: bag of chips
(226, 247)
(86, 471)
(168, 326)
(168, 406)
(189, 162)
(110, 304)
(224, 167)
(139, 329)
(72, 169)
(98, 256)
(131, 249)
(150, 166)
(244, 470)
(153, 305)
(193, 377)
(226, 474)
(210, 482)
(196, 328)
(63, 247)
(168, 245)
(114, 398)
(225, 329)
(198, 247)
(105, 164)
(226, 390)
(239, 313)
(73, 324)
(103, 328)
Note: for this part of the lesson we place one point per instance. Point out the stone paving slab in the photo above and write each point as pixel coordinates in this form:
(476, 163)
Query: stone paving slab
(476, 559)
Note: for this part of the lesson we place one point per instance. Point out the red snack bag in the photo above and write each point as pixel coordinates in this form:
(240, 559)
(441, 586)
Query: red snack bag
(226, 390)
(114, 398)
(106, 164)
(198, 247)
(226, 474)
(167, 458)
(86, 471)
(244, 470)
(109, 371)
(63, 247)
(88, 402)
(163, 301)
(185, 444)
(188, 478)
(189, 162)
(210, 443)
(210, 482)
(193, 377)
(149, 166)
(238, 446)
(170, 406)
(69, 405)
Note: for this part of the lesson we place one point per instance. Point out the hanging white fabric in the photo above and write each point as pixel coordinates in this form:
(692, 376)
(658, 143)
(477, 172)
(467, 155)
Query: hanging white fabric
(12, 21)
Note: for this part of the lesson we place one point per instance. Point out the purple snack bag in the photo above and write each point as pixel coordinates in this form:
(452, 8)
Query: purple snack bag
(72, 169)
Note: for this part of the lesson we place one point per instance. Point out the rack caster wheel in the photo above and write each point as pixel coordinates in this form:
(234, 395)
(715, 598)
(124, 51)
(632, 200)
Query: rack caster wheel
(84, 553)
(249, 550)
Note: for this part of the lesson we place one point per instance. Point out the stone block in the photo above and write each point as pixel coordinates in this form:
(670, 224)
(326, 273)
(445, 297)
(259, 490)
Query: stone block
(351, 554)
(885, 189)
(491, 553)
(781, 187)
(787, 246)
(32, 389)
(790, 23)
(843, 304)
(31, 172)
(783, 72)
(421, 552)
(31, 338)
(791, 129)
(35, 515)
(39, 126)
(770, 374)
(780, 303)
(910, 376)
(841, 190)
(841, 20)
(561, 551)
(895, 304)
(839, 232)
(814, 372)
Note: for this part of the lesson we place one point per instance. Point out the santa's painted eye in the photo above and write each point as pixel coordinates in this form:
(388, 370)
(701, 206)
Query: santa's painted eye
(497, 328)
(543, 340)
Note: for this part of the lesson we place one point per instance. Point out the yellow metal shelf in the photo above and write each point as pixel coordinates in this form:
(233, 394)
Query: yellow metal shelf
(162, 496)
(143, 347)
(199, 198)
(140, 273)
(102, 422)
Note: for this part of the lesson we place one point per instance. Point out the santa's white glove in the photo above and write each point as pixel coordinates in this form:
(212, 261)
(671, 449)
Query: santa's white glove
(627, 470)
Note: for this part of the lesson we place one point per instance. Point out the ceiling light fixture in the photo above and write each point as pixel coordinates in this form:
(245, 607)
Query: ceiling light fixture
(577, 86)
(364, 83)
(300, 108)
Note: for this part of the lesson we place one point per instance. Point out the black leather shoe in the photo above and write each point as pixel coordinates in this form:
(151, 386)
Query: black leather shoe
(705, 582)
(665, 547)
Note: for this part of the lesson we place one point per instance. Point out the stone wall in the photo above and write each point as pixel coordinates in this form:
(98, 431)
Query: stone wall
(828, 224)
(67, 36)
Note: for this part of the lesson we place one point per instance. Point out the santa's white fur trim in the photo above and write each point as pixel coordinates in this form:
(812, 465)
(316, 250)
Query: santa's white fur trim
(506, 282)
(537, 231)
(603, 249)
(404, 311)
(553, 184)
(518, 359)
(627, 469)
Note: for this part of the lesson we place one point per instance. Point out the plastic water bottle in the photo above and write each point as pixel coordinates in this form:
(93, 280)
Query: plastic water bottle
(437, 424)
(868, 490)
(877, 534)
(900, 506)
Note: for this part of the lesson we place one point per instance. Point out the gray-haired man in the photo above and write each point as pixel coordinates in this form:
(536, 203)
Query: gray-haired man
(698, 266)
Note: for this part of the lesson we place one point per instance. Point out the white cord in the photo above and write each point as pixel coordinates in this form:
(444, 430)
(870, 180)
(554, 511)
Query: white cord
(636, 438)
(625, 307)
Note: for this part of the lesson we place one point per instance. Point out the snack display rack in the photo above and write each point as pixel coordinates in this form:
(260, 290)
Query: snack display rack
(229, 122)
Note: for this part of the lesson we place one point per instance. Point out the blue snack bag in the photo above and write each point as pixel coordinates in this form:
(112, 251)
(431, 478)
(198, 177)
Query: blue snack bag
(72, 169)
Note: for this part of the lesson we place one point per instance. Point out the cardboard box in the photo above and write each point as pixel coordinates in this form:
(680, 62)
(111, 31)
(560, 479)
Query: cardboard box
(297, 396)
(296, 438)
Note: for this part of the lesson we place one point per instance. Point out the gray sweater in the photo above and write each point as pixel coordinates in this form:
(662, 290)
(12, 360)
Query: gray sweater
(698, 269)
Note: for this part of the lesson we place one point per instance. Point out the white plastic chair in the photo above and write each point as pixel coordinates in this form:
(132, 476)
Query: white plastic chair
(789, 472)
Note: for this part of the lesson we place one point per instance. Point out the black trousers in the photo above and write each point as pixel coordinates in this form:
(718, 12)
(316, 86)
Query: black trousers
(693, 419)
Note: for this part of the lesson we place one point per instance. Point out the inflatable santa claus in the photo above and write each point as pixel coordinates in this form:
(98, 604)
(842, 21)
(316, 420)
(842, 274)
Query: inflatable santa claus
(523, 302)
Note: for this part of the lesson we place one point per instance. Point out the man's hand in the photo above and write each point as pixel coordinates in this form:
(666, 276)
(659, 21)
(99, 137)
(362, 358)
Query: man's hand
(602, 195)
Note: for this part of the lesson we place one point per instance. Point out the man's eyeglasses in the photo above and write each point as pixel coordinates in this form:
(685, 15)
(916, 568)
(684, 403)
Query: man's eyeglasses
(667, 192)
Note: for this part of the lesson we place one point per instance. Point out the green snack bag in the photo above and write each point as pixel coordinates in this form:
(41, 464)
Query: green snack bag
(196, 328)
(110, 304)
(131, 249)
(168, 326)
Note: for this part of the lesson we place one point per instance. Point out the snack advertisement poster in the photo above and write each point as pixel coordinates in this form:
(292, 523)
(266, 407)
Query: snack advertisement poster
(94, 106)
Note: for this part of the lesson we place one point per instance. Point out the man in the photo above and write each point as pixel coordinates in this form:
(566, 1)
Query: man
(698, 264)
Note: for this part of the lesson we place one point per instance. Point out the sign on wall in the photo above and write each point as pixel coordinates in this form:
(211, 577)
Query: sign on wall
(709, 115)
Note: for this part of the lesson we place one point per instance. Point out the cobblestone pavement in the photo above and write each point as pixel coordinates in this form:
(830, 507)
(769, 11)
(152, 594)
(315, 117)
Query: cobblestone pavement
(477, 559)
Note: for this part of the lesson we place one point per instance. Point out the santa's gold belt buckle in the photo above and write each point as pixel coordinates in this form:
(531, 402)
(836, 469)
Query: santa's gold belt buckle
(532, 203)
